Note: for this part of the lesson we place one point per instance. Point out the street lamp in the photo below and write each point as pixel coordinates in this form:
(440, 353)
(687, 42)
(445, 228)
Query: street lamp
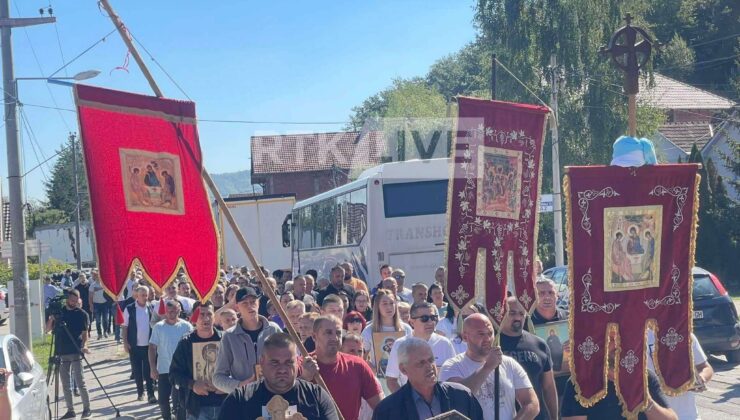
(21, 304)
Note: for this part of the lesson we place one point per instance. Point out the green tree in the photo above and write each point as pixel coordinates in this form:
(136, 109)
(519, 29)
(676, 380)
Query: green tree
(676, 60)
(60, 189)
(40, 214)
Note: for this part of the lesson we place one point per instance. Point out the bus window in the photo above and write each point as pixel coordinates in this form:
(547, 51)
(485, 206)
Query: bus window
(305, 226)
(357, 216)
(415, 198)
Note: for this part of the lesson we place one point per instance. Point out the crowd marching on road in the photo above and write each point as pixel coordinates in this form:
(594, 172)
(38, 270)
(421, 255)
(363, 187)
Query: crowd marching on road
(383, 350)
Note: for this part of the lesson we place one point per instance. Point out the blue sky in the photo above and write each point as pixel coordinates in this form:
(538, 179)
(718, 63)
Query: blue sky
(256, 60)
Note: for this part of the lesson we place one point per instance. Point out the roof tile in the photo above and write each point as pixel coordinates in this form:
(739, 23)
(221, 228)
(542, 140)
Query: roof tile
(685, 134)
(672, 94)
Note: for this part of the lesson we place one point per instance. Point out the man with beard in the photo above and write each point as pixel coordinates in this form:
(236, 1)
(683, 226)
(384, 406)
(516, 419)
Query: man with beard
(348, 378)
(533, 355)
(280, 377)
(351, 280)
(475, 369)
(424, 396)
(336, 286)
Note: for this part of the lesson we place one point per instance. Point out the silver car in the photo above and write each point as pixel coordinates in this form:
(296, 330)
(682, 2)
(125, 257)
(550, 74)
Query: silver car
(27, 386)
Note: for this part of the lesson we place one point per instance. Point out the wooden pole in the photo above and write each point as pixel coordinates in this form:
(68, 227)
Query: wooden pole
(266, 287)
(118, 23)
(632, 115)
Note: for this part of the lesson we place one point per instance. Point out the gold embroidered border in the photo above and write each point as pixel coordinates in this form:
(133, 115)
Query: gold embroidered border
(588, 402)
(180, 262)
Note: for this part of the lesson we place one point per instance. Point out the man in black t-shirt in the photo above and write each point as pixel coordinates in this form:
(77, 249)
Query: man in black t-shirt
(609, 407)
(533, 354)
(280, 371)
(70, 343)
(203, 400)
(547, 303)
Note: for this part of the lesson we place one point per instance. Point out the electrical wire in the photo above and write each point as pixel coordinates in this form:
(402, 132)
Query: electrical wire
(95, 44)
(160, 66)
(41, 69)
(25, 125)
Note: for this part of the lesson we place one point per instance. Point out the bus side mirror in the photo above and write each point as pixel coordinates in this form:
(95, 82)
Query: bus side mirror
(286, 230)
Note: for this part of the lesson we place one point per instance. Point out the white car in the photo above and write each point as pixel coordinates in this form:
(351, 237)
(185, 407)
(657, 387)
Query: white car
(27, 386)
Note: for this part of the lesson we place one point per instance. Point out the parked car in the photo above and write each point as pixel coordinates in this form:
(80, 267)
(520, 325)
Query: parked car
(560, 276)
(27, 386)
(716, 323)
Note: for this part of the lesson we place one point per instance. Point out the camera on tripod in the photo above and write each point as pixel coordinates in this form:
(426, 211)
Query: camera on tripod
(56, 305)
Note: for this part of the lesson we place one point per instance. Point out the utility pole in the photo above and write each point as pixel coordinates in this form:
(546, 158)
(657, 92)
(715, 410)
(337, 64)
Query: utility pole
(557, 228)
(21, 305)
(77, 201)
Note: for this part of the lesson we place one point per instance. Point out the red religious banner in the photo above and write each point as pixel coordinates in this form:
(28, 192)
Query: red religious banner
(493, 203)
(631, 234)
(148, 202)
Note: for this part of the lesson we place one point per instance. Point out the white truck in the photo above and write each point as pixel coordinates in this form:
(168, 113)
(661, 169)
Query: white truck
(260, 219)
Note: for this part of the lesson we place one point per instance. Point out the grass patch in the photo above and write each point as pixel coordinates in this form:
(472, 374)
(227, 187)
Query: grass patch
(41, 349)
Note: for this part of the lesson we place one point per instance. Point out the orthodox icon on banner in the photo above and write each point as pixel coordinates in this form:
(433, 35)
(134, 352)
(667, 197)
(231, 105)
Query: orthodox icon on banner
(204, 360)
(632, 247)
(499, 182)
(383, 343)
(152, 181)
(556, 335)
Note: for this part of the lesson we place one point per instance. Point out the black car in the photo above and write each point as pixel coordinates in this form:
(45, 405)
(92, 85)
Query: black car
(716, 322)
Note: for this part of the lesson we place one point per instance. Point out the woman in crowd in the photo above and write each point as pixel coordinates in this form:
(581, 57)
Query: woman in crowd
(362, 304)
(437, 297)
(385, 319)
(354, 322)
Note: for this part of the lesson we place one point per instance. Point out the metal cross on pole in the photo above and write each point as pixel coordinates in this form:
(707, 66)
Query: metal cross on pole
(630, 55)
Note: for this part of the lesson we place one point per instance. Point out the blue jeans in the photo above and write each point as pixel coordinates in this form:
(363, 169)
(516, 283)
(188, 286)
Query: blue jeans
(102, 315)
(206, 413)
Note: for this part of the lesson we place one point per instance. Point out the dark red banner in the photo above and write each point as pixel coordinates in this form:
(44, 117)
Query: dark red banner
(148, 202)
(493, 203)
(631, 235)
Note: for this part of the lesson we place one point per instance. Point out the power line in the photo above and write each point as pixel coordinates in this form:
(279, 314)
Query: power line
(714, 40)
(83, 52)
(25, 124)
(159, 65)
(41, 70)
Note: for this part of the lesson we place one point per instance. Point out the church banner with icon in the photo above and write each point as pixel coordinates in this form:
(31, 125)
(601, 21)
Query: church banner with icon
(493, 203)
(148, 202)
(631, 238)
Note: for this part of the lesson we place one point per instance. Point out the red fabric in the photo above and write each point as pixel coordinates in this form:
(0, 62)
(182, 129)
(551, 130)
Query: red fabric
(119, 315)
(493, 201)
(113, 123)
(162, 310)
(594, 195)
(348, 380)
(196, 314)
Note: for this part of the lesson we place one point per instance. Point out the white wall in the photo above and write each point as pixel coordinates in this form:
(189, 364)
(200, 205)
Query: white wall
(57, 242)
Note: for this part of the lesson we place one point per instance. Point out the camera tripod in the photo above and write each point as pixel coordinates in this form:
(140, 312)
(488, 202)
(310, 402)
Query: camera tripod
(55, 362)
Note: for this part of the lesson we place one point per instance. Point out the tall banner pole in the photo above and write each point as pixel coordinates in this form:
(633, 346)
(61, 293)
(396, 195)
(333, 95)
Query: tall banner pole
(497, 372)
(266, 287)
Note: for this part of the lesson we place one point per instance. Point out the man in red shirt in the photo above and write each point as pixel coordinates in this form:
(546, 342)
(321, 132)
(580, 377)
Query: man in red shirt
(348, 377)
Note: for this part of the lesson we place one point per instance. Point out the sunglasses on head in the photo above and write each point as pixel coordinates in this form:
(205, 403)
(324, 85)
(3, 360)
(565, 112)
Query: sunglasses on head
(427, 318)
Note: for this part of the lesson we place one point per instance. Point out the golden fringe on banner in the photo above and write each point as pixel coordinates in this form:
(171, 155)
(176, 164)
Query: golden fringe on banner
(651, 323)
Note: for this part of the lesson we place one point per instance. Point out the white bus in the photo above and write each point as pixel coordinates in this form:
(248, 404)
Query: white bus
(394, 213)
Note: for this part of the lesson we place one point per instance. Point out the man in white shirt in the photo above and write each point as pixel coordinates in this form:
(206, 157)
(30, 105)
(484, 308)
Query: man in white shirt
(424, 319)
(403, 292)
(136, 333)
(99, 305)
(685, 404)
(166, 334)
(476, 369)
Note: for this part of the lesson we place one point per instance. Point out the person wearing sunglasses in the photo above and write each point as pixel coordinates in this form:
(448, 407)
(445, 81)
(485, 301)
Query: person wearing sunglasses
(424, 318)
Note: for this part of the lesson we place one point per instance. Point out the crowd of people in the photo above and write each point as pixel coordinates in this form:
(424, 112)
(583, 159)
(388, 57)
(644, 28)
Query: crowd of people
(382, 349)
